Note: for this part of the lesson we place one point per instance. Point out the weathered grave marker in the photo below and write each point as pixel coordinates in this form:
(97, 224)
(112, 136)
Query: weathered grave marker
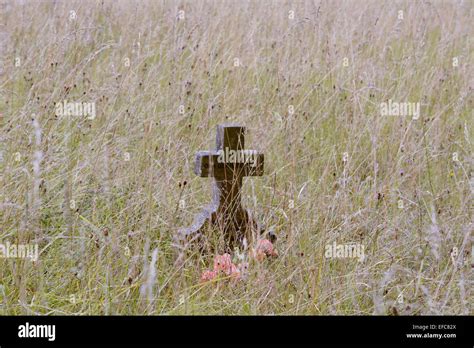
(228, 164)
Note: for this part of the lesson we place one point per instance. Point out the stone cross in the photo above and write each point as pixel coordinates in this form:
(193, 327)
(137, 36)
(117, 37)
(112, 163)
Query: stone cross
(228, 164)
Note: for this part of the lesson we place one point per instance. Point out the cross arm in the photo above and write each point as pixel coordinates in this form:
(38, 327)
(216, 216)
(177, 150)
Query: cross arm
(207, 164)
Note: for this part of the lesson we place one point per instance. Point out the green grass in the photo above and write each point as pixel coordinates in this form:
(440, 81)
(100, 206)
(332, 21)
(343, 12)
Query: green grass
(298, 62)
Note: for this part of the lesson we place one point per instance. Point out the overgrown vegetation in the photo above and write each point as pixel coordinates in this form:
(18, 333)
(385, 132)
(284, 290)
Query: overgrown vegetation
(307, 80)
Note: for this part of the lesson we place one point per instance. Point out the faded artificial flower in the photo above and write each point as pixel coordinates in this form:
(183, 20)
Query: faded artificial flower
(264, 249)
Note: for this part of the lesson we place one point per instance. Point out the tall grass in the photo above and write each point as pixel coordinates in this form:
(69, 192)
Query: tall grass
(307, 79)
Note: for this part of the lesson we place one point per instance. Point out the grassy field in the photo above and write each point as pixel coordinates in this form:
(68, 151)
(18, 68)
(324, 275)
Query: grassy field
(103, 197)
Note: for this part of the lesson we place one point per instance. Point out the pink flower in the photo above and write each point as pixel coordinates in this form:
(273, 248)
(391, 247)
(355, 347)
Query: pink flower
(208, 275)
(223, 263)
(264, 249)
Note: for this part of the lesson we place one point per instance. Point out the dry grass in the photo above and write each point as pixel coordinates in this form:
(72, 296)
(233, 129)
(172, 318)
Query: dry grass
(111, 251)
